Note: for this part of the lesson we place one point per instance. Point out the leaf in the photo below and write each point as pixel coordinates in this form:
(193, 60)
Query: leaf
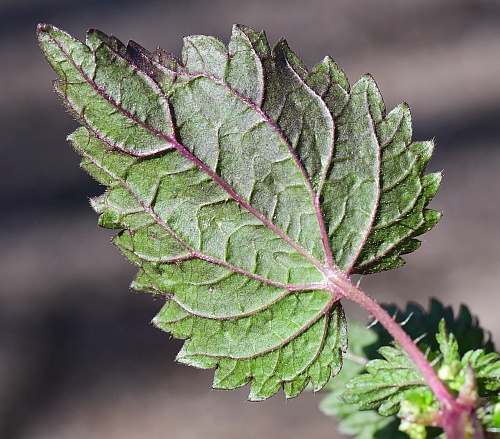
(478, 379)
(370, 390)
(456, 370)
(422, 324)
(386, 384)
(366, 424)
(246, 189)
(361, 424)
(486, 368)
(448, 345)
(445, 349)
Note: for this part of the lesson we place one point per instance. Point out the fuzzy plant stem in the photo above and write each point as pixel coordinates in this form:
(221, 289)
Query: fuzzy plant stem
(453, 414)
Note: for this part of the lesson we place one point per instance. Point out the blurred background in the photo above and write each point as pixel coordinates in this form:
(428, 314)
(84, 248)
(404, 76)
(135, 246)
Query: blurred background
(78, 357)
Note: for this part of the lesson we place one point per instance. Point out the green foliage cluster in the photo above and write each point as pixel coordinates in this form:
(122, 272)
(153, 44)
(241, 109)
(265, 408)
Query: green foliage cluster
(380, 394)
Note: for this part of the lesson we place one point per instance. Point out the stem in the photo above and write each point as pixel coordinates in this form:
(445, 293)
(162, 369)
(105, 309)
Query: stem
(451, 410)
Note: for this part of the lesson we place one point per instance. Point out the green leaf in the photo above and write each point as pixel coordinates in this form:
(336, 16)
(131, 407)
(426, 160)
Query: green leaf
(247, 189)
(361, 424)
(422, 324)
(484, 387)
(448, 345)
(366, 424)
(455, 371)
(486, 368)
(473, 377)
(386, 383)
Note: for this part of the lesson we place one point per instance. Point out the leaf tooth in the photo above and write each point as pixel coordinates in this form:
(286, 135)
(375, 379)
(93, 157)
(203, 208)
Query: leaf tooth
(331, 83)
(198, 361)
(292, 389)
(367, 85)
(396, 127)
(231, 374)
(244, 72)
(261, 389)
(166, 59)
(282, 53)
(205, 55)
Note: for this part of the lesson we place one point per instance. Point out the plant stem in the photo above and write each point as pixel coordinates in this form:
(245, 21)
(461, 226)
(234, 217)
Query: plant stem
(453, 414)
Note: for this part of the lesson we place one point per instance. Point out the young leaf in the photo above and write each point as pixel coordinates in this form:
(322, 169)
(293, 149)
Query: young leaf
(247, 189)
(386, 384)
(473, 375)
(486, 368)
(455, 371)
(367, 424)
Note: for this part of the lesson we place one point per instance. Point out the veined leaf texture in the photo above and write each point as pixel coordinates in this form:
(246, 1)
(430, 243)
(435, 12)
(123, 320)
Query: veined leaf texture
(244, 187)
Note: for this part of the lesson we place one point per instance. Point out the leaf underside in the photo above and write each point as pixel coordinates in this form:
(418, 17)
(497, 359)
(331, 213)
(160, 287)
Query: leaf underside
(243, 186)
(387, 382)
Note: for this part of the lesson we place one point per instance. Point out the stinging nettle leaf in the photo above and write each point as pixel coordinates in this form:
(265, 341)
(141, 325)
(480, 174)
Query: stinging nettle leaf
(420, 323)
(367, 424)
(247, 189)
(387, 382)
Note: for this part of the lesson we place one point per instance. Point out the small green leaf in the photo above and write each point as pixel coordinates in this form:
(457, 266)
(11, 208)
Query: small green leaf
(246, 189)
(386, 383)
(486, 368)
(366, 424)
(448, 345)
(361, 424)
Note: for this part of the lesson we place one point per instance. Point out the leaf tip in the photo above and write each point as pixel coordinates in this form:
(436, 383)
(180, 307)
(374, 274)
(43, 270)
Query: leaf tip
(46, 29)
(368, 78)
(43, 27)
(241, 28)
(43, 32)
(96, 33)
(405, 106)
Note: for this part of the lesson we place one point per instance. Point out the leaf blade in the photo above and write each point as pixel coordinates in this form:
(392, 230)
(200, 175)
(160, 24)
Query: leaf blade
(222, 172)
(85, 70)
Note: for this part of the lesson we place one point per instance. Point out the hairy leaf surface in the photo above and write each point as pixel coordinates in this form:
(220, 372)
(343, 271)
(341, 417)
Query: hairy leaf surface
(247, 189)
(386, 384)
(368, 424)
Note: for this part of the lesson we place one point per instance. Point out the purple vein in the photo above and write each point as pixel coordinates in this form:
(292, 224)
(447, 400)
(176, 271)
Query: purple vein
(186, 153)
(267, 119)
(323, 312)
(183, 150)
(315, 198)
(194, 253)
(119, 107)
(388, 249)
(287, 290)
(377, 197)
(316, 194)
(260, 68)
(402, 107)
(275, 127)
